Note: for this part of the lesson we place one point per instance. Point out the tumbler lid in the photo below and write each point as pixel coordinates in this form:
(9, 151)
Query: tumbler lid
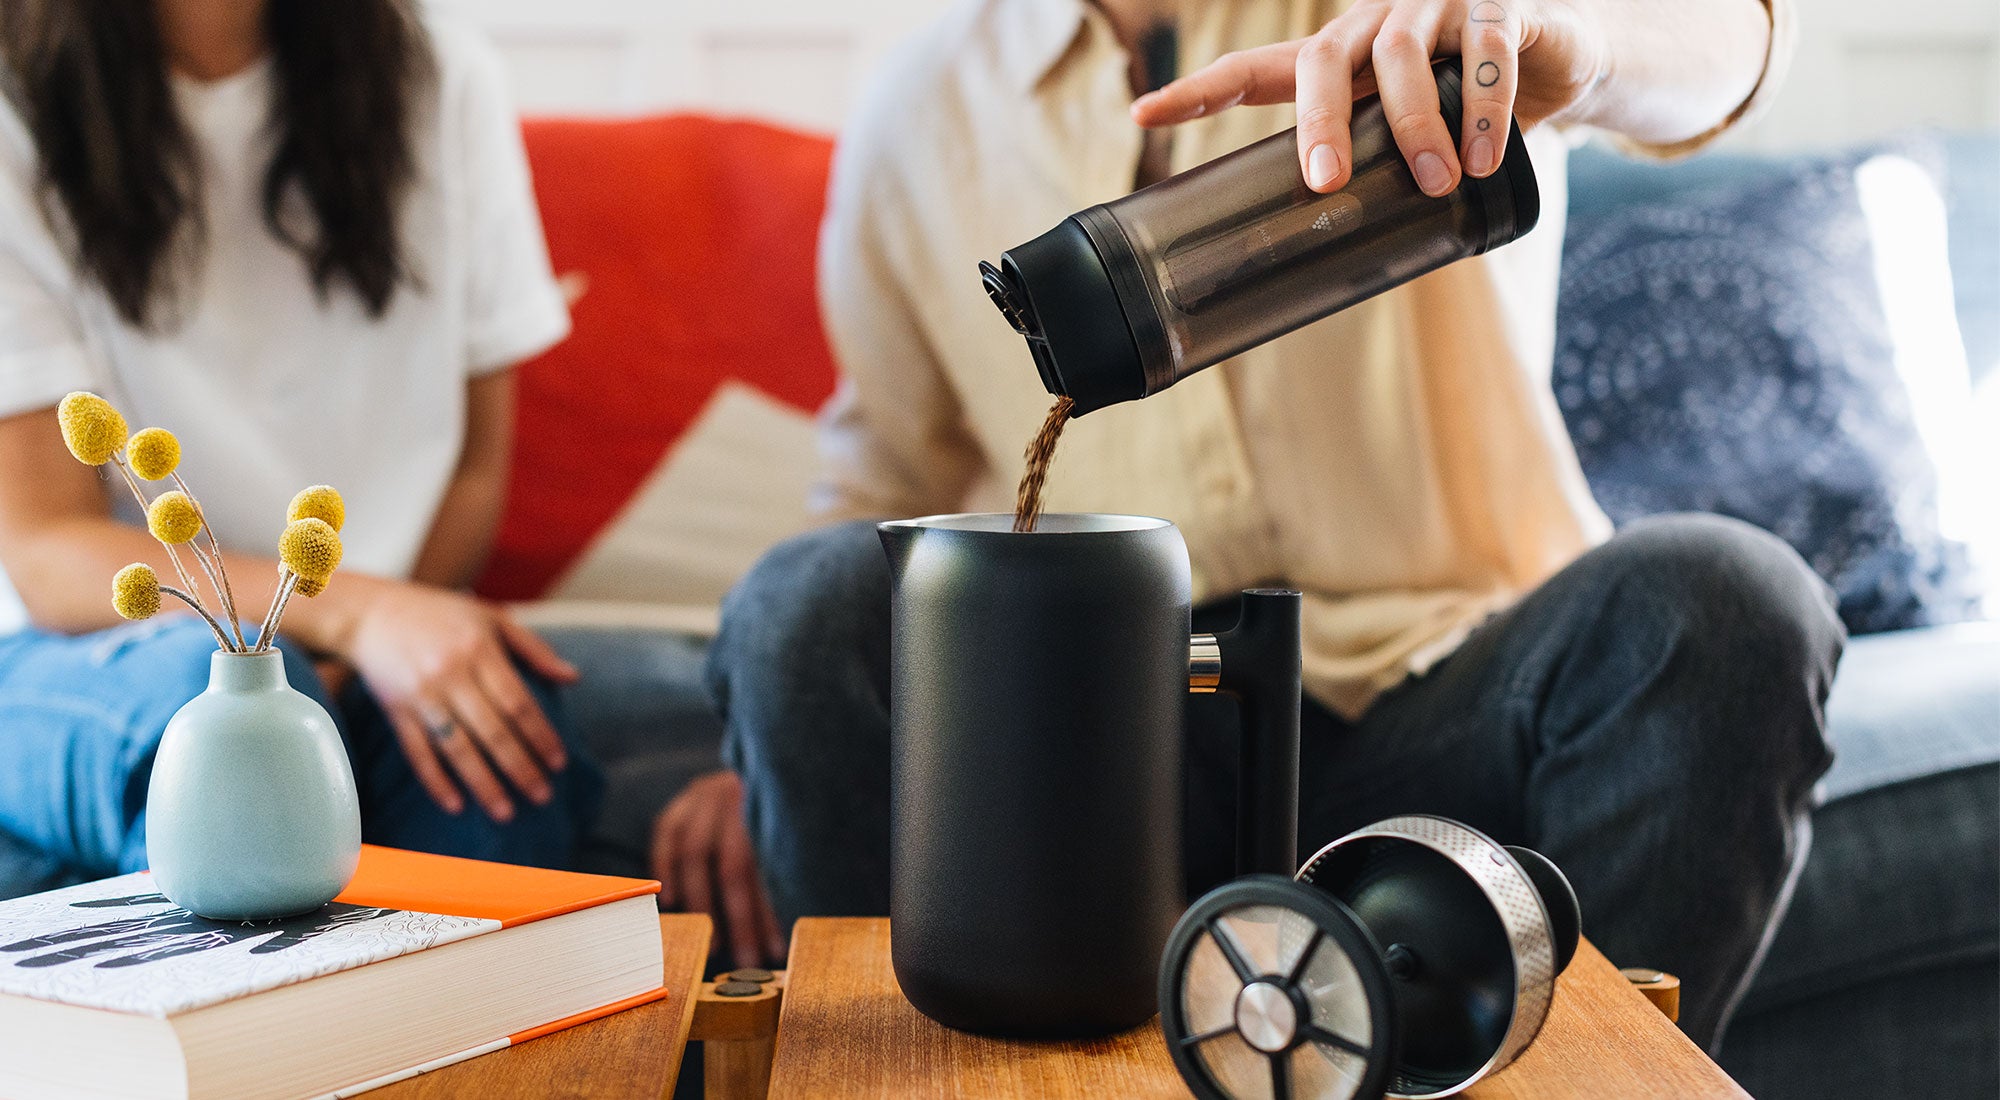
(1056, 291)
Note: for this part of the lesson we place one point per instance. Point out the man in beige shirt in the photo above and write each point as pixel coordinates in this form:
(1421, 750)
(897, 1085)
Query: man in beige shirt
(1646, 710)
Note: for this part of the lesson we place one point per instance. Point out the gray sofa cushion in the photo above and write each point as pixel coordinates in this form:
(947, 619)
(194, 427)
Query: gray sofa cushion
(1886, 971)
(1914, 703)
(1925, 1033)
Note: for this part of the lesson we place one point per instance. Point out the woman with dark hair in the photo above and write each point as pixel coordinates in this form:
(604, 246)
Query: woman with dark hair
(300, 235)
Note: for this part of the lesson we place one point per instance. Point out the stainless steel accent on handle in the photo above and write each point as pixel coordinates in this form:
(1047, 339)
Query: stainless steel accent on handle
(1204, 664)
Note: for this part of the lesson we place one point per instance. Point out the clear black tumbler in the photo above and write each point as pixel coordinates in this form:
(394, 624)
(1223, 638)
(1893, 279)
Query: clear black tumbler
(1126, 298)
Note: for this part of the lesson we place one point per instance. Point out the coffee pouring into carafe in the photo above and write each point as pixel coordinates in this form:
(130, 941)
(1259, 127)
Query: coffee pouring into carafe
(1124, 299)
(1038, 669)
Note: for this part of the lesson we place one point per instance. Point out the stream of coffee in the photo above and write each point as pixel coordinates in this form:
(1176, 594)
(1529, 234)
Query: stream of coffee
(1028, 498)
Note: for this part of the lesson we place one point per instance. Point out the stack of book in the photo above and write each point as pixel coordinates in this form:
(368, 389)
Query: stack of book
(110, 990)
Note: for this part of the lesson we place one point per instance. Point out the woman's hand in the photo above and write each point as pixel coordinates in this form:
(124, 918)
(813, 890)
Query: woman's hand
(440, 663)
(702, 854)
(1531, 58)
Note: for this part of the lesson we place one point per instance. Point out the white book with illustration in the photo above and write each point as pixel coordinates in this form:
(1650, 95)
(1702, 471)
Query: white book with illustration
(108, 989)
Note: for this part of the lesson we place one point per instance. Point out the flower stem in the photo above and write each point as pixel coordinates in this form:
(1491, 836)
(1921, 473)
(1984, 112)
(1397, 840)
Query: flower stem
(223, 590)
(220, 638)
(193, 601)
(208, 567)
(268, 633)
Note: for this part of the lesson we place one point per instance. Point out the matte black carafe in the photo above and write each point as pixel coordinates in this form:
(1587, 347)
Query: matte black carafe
(1037, 682)
(1126, 298)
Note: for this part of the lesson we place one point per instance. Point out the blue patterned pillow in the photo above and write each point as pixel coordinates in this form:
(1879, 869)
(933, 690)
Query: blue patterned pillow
(1725, 350)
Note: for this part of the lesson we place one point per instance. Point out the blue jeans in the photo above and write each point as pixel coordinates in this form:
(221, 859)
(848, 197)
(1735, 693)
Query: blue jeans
(81, 718)
(1651, 718)
(645, 715)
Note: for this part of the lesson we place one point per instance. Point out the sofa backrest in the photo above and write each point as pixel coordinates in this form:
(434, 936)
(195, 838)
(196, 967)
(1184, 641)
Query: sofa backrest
(688, 246)
(668, 442)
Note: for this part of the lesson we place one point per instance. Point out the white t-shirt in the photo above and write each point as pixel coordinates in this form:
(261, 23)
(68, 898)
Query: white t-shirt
(269, 387)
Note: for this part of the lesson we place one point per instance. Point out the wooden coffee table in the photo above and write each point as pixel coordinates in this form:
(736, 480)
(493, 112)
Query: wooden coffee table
(845, 1031)
(634, 1053)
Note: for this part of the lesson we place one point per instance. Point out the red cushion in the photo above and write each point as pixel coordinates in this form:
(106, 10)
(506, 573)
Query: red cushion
(696, 240)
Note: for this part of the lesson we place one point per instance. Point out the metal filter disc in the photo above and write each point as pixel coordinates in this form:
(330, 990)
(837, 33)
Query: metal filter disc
(1468, 941)
(1270, 991)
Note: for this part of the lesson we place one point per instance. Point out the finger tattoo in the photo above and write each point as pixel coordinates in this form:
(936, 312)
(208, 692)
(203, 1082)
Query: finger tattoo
(1487, 74)
(1486, 11)
(1485, 124)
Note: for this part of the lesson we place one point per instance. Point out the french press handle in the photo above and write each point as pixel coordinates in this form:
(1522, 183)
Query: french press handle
(1258, 663)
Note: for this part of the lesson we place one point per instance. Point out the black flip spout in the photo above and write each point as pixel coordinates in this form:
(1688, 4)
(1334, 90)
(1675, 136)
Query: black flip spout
(1259, 665)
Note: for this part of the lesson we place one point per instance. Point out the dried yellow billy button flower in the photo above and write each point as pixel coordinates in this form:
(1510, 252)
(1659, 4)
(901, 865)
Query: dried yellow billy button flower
(318, 502)
(309, 589)
(173, 518)
(154, 453)
(91, 428)
(135, 591)
(311, 548)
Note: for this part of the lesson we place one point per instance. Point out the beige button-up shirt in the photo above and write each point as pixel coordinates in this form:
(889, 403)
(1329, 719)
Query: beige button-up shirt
(1402, 462)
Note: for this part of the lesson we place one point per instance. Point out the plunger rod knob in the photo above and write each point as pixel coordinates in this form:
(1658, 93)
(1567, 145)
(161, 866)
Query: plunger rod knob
(1402, 961)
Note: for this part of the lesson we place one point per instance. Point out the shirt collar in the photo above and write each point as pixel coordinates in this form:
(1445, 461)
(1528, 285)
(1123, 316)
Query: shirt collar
(1037, 34)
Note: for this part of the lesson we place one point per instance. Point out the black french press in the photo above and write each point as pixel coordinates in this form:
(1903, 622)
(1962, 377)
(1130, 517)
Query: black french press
(1036, 690)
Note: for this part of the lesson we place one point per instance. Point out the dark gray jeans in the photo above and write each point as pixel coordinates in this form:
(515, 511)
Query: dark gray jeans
(1651, 718)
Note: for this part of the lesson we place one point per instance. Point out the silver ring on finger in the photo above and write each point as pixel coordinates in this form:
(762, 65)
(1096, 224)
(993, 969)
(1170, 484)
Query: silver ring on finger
(440, 731)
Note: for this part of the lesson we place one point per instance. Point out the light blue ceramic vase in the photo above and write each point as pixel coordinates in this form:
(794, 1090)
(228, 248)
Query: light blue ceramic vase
(252, 812)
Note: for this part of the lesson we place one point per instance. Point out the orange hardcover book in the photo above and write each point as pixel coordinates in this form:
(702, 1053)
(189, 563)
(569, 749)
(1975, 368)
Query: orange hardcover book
(108, 989)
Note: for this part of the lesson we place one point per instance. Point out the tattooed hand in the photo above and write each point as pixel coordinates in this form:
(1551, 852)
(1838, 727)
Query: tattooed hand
(1531, 58)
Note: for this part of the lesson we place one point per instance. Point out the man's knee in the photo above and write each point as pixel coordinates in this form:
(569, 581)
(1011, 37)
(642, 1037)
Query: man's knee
(801, 660)
(1735, 619)
(822, 593)
(1736, 592)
